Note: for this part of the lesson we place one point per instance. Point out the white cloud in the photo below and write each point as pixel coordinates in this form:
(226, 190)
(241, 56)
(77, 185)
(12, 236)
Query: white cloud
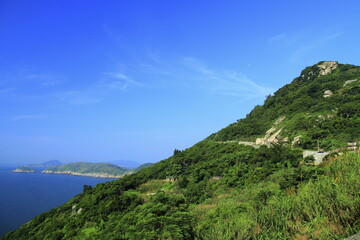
(28, 85)
(189, 72)
(225, 82)
(25, 117)
(6, 90)
(28, 79)
(198, 66)
(77, 97)
(134, 133)
(118, 81)
(44, 79)
(97, 91)
(277, 37)
(304, 43)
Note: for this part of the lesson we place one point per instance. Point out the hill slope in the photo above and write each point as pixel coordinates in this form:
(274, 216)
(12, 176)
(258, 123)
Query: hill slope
(219, 189)
(322, 103)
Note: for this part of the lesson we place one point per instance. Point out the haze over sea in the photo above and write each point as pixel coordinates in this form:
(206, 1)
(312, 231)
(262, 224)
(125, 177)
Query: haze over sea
(26, 195)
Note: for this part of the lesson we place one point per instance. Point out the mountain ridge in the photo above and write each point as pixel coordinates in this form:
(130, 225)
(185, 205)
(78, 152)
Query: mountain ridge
(305, 94)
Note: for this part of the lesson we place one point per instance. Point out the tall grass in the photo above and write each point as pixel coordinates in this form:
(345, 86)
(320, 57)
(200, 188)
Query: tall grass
(325, 208)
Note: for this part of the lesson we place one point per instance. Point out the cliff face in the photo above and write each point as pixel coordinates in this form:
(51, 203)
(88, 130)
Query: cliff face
(327, 67)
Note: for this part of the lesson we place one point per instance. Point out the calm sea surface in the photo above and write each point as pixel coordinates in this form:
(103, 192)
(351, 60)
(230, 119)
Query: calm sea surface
(26, 195)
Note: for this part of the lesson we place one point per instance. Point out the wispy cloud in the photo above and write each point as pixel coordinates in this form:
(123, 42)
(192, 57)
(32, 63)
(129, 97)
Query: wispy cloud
(29, 139)
(304, 43)
(225, 82)
(277, 37)
(44, 79)
(27, 117)
(28, 85)
(134, 133)
(118, 81)
(308, 47)
(190, 72)
(98, 90)
(6, 90)
(29, 78)
(77, 97)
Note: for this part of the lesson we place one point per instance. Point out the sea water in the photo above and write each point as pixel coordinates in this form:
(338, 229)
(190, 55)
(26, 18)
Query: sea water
(26, 195)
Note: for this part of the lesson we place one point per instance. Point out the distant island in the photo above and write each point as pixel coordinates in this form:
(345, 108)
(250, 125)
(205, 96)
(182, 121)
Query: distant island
(24, 170)
(101, 170)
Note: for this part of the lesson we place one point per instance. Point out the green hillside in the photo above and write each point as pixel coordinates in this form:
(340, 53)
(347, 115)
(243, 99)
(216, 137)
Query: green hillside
(220, 189)
(334, 119)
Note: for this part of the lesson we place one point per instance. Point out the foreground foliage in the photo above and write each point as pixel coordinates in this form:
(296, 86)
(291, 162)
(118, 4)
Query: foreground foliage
(324, 208)
(254, 201)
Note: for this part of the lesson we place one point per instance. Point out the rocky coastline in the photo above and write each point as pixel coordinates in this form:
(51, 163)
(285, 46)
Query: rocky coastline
(24, 170)
(97, 175)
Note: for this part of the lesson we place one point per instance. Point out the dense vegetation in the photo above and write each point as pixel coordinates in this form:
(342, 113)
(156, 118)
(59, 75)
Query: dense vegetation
(219, 189)
(333, 120)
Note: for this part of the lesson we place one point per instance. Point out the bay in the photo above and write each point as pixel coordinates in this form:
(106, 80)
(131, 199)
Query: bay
(26, 195)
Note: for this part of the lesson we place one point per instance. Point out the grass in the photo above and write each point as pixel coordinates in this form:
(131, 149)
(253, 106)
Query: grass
(326, 208)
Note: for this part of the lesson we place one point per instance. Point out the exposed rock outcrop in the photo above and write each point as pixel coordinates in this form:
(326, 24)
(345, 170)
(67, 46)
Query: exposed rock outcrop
(24, 170)
(279, 120)
(272, 135)
(327, 67)
(328, 93)
(348, 82)
(253, 144)
(97, 175)
(75, 211)
(296, 141)
(354, 237)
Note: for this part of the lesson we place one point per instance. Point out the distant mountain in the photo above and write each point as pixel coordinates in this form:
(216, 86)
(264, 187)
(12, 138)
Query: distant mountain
(51, 163)
(107, 170)
(126, 163)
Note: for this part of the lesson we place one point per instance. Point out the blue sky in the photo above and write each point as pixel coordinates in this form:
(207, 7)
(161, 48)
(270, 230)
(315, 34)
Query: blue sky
(106, 80)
